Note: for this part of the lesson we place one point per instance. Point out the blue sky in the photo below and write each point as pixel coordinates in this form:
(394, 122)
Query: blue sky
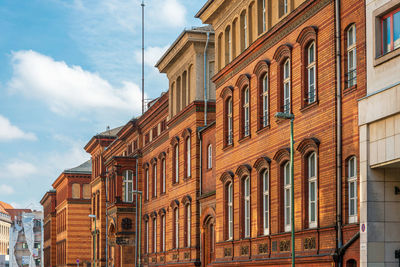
(69, 69)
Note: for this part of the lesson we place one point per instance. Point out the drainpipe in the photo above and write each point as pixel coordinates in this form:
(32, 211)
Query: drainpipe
(205, 79)
(338, 132)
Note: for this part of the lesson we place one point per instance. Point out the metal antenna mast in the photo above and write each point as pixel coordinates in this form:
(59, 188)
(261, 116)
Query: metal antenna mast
(142, 56)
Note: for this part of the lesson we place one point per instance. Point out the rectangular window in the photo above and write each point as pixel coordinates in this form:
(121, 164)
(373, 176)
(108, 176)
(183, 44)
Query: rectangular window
(390, 27)
(147, 236)
(265, 181)
(176, 228)
(209, 160)
(188, 157)
(229, 121)
(155, 180)
(351, 57)
(163, 232)
(247, 207)
(147, 184)
(163, 174)
(230, 211)
(188, 225)
(265, 108)
(311, 73)
(246, 112)
(176, 163)
(264, 16)
(286, 86)
(312, 190)
(154, 235)
(287, 197)
(128, 186)
(352, 189)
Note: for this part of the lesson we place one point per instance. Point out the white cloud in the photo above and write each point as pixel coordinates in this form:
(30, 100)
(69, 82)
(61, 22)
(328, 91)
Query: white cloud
(17, 169)
(6, 189)
(151, 55)
(173, 12)
(66, 89)
(11, 132)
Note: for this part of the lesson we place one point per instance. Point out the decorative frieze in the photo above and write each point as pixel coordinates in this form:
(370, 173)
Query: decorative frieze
(227, 252)
(244, 250)
(284, 245)
(263, 248)
(309, 243)
(186, 255)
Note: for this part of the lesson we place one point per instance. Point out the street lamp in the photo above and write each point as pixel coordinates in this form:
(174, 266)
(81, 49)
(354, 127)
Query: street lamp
(289, 116)
(94, 238)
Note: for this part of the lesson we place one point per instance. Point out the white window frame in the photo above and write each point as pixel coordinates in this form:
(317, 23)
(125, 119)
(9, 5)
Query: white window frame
(176, 163)
(128, 186)
(230, 121)
(188, 225)
(164, 169)
(287, 196)
(154, 235)
(351, 56)
(188, 157)
(285, 7)
(245, 30)
(286, 87)
(230, 44)
(176, 227)
(246, 111)
(147, 236)
(155, 179)
(311, 73)
(265, 201)
(312, 182)
(264, 16)
(209, 158)
(230, 210)
(352, 181)
(147, 183)
(265, 100)
(163, 231)
(247, 208)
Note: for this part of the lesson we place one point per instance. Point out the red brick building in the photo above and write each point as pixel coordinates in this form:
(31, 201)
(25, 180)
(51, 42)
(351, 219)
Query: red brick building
(49, 228)
(281, 56)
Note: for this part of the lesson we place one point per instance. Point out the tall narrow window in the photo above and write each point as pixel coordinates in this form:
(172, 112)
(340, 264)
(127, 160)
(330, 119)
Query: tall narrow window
(154, 235)
(229, 121)
(286, 86)
(390, 26)
(265, 201)
(311, 96)
(188, 157)
(228, 45)
(243, 31)
(146, 224)
(265, 100)
(230, 210)
(246, 199)
(128, 186)
(264, 16)
(209, 156)
(312, 190)
(155, 180)
(176, 228)
(162, 229)
(246, 112)
(147, 183)
(352, 188)
(163, 170)
(176, 163)
(283, 7)
(188, 225)
(287, 196)
(351, 57)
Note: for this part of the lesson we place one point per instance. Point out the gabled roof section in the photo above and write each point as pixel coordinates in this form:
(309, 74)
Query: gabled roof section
(6, 205)
(84, 168)
(109, 134)
(179, 44)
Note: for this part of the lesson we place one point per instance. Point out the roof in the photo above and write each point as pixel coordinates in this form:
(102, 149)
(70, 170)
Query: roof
(202, 29)
(2, 210)
(111, 132)
(85, 168)
(6, 205)
(206, 5)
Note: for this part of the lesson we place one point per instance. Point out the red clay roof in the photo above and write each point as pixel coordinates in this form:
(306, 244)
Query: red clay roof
(6, 205)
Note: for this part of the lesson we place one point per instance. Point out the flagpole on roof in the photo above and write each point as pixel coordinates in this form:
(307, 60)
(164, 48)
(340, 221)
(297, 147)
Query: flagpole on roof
(142, 56)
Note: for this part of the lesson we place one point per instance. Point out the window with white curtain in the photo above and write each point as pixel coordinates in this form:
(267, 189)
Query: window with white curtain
(312, 190)
(128, 186)
(311, 73)
(352, 188)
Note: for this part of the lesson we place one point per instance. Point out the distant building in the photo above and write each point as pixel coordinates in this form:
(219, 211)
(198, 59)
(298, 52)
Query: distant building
(26, 239)
(5, 224)
(49, 228)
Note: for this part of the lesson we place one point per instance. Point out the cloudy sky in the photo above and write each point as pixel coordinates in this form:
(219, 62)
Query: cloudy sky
(69, 69)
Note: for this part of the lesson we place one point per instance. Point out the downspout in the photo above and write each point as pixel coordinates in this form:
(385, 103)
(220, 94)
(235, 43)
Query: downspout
(200, 187)
(205, 79)
(338, 131)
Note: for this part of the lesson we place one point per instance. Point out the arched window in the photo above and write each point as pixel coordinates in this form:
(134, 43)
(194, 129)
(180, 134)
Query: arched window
(262, 16)
(154, 179)
(188, 157)
(265, 201)
(128, 186)
(163, 170)
(219, 51)
(229, 121)
(287, 196)
(178, 94)
(352, 188)
(265, 100)
(283, 7)
(246, 205)
(229, 208)
(209, 156)
(228, 45)
(243, 31)
(162, 230)
(154, 234)
(351, 263)
(312, 190)
(176, 163)
(311, 74)
(146, 225)
(246, 111)
(351, 76)
(176, 228)
(147, 183)
(286, 86)
(188, 225)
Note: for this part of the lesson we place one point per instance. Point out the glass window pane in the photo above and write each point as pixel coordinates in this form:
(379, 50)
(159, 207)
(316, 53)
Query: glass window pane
(311, 53)
(386, 35)
(396, 30)
(312, 191)
(351, 208)
(312, 212)
(351, 190)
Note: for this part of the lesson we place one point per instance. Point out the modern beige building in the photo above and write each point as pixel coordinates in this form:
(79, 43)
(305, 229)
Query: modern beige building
(5, 223)
(379, 122)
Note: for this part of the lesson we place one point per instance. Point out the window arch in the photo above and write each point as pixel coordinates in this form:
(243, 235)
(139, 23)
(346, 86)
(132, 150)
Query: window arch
(228, 45)
(227, 97)
(262, 72)
(352, 188)
(246, 206)
(351, 52)
(188, 224)
(262, 166)
(246, 111)
(243, 31)
(227, 181)
(176, 227)
(283, 58)
(155, 179)
(163, 175)
(188, 157)
(209, 156)
(128, 186)
(351, 263)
